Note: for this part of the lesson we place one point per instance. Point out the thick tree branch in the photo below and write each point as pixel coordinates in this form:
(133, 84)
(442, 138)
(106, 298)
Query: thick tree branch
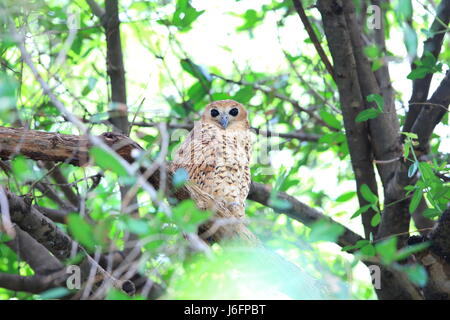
(355, 81)
(432, 45)
(384, 129)
(32, 284)
(115, 67)
(432, 113)
(352, 101)
(57, 242)
(382, 74)
(34, 253)
(299, 211)
(74, 149)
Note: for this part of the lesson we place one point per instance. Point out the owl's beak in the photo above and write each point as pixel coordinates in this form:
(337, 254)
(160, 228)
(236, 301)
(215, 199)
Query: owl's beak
(224, 121)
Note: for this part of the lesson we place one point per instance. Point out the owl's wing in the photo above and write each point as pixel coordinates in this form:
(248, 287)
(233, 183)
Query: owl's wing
(195, 151)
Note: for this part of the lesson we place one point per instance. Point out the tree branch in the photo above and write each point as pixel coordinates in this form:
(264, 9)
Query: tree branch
(382, 74)
(432, 112)
(270, 91)
(32, 284)
(74, 150)
(352, 102)
(115, 67)
(57, 242)
(301, 12)
(432, 45)
(299, 211)
(34, 253)
(298, 135)
(384, 129)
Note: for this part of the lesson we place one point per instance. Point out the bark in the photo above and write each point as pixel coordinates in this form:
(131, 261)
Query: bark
(382, 74)
(436, 259)
(115, 67)
(352, 101)
(57, 242)
(34, 253)
(383, 130)
(432, 113)
(75, 150)
(432, 45)
(33, 284)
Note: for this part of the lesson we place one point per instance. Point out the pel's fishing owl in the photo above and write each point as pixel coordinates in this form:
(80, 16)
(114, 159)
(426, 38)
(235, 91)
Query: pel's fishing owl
(216, 155)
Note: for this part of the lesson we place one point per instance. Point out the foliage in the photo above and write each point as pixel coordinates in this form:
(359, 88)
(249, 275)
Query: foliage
(180, 55)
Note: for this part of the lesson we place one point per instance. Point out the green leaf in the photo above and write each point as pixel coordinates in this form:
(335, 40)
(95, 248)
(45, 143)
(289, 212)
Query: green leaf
(82, 231)
(106, 161)
(377, 64)
(54, 293)
(428, 60)
(375, 220)
(185, 15)
(19, 166)
(409, 250)
(8, 89)
(92, 81)
(197, 92)
(196, 71)
(330, 119)
(138, 226)
(4, 237)
(361, 210)
(279, 204)
(416, 273)
(387, 250)
(410, 135)
(404, 9)
(251, 19)
(415, 200)
(367, 194)
(368, 250)
(418, 73)
(187, 216)
(180, 177)
(359, 244)
(368, 114)
(115, 294)
(372, 51)
(99, 117)
(244, 95)
(346, 196)
(431, 213)
(413, 169)
(332, 138)
(410, 38)
(427, 172)
(377, 99)
(324, 230)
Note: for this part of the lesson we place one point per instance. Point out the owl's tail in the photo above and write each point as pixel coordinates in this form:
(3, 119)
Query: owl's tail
(227, 224)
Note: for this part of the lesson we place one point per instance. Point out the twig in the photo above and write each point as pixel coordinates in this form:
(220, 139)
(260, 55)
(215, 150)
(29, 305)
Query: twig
(301, 12)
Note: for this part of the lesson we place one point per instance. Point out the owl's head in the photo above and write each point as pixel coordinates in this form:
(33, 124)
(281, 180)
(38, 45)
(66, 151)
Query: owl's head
(226, 114)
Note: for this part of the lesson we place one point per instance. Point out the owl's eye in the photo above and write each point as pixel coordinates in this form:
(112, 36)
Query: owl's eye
(214, 113)
(234, 112)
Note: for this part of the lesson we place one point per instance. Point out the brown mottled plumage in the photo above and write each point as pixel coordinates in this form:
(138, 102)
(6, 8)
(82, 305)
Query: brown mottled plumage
(216, 154)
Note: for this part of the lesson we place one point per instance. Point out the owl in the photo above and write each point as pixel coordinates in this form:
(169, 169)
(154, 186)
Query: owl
(216, 155)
